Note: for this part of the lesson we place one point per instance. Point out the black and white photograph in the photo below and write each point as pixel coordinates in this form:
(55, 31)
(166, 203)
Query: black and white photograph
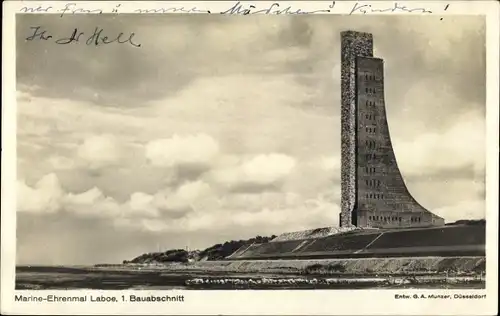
(259, 147)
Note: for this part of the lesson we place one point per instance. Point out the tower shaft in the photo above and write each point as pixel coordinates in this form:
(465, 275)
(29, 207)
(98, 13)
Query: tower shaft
(374, 193)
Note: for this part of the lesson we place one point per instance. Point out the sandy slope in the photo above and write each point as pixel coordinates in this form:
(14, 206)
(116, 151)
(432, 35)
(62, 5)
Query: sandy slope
(362, 266)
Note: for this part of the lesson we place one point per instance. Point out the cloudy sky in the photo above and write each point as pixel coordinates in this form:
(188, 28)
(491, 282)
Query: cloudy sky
(225, 127)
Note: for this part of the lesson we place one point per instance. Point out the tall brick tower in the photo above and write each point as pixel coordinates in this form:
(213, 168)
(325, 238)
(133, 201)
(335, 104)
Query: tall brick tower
(373, 191)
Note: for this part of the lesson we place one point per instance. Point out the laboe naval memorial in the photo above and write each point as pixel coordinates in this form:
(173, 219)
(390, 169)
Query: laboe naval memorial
(379, 217)
(373, 191)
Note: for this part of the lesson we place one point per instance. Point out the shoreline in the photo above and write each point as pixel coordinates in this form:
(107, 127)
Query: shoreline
(420, 272)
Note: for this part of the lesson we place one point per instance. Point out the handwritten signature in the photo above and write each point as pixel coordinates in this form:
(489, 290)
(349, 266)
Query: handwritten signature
(97, 38)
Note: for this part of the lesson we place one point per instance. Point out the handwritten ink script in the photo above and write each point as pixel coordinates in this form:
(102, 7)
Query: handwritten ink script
(173, 10)
(274, 8)
(100, 37)
(236, 8)
(233, 8)
(368, 8)
(96, 38)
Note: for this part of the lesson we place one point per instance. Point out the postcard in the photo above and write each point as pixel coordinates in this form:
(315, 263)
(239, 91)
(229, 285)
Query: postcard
(257, 158)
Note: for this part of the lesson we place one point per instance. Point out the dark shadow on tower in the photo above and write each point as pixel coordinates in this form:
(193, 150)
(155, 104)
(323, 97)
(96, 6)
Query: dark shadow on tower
(373, 191)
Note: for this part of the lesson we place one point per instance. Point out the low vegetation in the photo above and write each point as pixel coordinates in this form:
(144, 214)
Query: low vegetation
(215, 252)
(324, 269)
(468, 222)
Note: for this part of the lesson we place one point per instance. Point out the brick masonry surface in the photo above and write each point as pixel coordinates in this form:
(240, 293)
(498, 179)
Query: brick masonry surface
(373, 193)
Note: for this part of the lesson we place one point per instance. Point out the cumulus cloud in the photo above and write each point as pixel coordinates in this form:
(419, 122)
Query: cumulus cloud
(172, 203)
(468, 209)
(92, 203)
(297, 214)
(100, 151)
(187, 196)
(193, 206)
(255, 174)
(62, 163)
(189, 153)
(460, 146)
(142, 204)
(316, 175)
(330, 164)
(33, 127)
(44, 197)
(47, 196)
(266, 169)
